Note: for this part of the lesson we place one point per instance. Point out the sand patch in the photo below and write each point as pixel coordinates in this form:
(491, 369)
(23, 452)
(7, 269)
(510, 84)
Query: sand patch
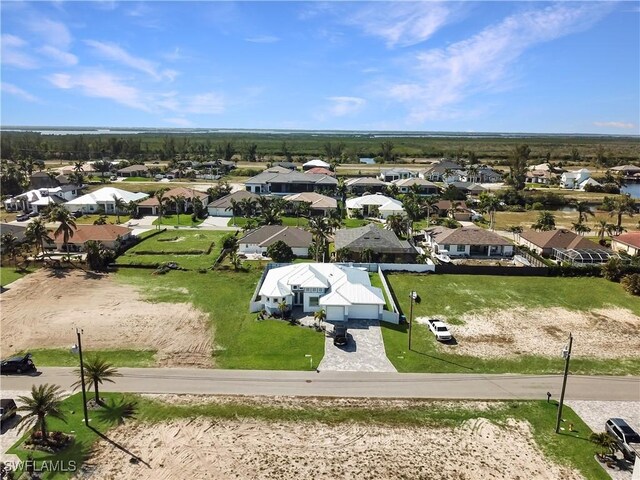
(520, 331)
(250, 449)
(42, 312)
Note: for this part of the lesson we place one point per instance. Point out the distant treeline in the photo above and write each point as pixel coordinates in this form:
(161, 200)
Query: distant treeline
(599, 150)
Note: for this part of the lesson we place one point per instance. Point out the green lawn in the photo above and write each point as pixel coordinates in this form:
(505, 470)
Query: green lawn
(355, 222)
(89, 219)
(9, 274)
(172, 220)
(241, 340)
(571, 449)
(454, 295)
(286, 221)
(563, 219)
(138, 179)
(62, 357)
(376, 282)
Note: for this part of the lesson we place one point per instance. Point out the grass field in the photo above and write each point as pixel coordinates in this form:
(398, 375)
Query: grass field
(172, 220)
(563, 219)
(460, 294)
(241, 340)
(376, 282)
(137, 179)
(9, 275)
(286, 221)
(89, 219)
(62, 357)
(569, 449)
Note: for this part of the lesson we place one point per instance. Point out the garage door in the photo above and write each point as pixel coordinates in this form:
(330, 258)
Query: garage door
(335, 313)
(369, 312)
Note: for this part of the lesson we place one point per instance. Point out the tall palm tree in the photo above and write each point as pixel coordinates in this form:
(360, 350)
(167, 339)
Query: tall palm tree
(179, 201)
(235, 208)
(604, 228)
(319, 316)
(10, 247)
(580, 228)
(584, 211)
(516, 230)
(45, 401)
(67, 225)
(96, 371)
(623, 205)
(396, 224)
(546, 221)
(159, 196)
(367, 255)
(605, 441)
(119, 205)
(490, 204)
(341, 190)
(453, 208)
(320, 229)
(37, 233)
(248, 206)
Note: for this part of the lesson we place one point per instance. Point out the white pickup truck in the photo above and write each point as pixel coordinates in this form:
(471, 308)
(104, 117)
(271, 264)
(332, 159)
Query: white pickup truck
(439, 329)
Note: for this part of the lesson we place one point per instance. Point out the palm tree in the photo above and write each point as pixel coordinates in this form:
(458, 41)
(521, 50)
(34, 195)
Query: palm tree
(367, 255)
(283, 307)
(392, 190)
(37, 233)
(159, 196)
(341, 190)
(319, 316)
(119, 205)
(490, 204)
(546, 221)
(453, 208)
(580, 228)
(320, 229)
(605, 441)
(604, 228)
(45, 401)
(10, 247)
(396, 224)
(248, 206)
(92, 248)
(96, 371)
(235, 260)
(343, 254)
(623, 205)
(78, 167)
(178, 201)
(516, 230)
(429, 205)
(583, 210)
(236, 209)
(67, 225)
(472, 173)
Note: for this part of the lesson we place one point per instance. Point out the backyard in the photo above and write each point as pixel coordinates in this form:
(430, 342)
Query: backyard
(277, 437)
(515, 325)
(563, 218)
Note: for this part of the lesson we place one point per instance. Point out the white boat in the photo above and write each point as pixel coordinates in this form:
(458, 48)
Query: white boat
(442, 256)
(519, 259)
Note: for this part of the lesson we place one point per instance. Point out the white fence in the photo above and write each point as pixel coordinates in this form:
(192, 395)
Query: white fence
(392, 316)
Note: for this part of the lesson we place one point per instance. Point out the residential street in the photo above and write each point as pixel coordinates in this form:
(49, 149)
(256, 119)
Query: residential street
(346, 384)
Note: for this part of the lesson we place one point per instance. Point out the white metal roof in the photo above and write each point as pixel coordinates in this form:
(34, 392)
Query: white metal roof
(317, 163)
(384, 203)
(106, 194)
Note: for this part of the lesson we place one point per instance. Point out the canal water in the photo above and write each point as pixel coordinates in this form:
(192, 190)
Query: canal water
(633, 189)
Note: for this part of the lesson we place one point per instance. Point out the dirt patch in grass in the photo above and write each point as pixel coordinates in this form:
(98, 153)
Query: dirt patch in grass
(544, 332)
(248, 449)
(43, 310)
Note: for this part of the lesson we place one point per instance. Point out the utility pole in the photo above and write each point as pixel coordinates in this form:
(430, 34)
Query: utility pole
(84, 390)
(566, 353)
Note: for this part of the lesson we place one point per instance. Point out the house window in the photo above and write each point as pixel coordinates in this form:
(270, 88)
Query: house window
(460, 248)
(313, 301)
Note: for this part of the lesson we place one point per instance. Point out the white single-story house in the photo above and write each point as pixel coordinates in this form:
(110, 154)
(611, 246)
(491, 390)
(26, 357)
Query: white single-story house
(222, 206)
(35, 200)
(468, 242)
(376, 205)
(103, 197)
(574, 179)
(425, 187)
(257, 241)
(393, 174)
(343, 292)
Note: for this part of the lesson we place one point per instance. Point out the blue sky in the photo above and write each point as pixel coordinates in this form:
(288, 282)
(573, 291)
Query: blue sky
(566, 67)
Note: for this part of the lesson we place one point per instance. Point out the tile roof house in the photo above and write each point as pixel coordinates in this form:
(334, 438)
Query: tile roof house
(277, 182)
(375, 205)
(385, 246)
(321, 171)
(627, 242)
(257, 241)
(468, 242)
(18, 231)
(544, 242)
(103, 197)
(343, 292)
(425, 186)
(393, 174)
(222, 206)
(626, 169)
(361, 185)
(150, 206)
(319, 204)
(108, 235)
(134, 171)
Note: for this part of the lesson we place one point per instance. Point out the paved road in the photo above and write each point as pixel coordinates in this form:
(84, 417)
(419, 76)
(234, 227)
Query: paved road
(346, 384)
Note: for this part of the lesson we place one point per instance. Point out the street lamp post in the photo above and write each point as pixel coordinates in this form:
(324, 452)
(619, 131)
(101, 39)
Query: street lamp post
(412, 295)
(310, 361)
(78, 349)
(566, 353)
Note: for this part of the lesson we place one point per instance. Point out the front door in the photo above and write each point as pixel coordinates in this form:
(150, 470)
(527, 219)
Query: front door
(297, 298)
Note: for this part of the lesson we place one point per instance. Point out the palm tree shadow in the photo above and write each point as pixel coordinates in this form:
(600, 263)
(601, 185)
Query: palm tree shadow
(134, 458)
(441, 359)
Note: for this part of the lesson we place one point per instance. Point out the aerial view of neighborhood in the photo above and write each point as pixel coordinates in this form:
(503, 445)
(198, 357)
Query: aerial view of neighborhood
(320, 240)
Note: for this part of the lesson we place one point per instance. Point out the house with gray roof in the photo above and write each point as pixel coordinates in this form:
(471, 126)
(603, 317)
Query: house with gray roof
(468, 242)
(382, 245)
(393, 174)
(257, 241)
(424, 187)
(222, 206)
(278, 182)
(360, 185)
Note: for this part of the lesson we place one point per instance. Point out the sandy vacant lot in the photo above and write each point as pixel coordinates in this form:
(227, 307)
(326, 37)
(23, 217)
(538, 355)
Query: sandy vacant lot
(250, 449)
(502, 333)
(41, 311)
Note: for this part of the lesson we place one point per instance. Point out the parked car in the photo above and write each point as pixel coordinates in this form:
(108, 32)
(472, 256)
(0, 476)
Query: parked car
(7, 409)
(23, 218)
(18, 364)
(34, 215)
(113, 178)
(340, 338)
(626, 437)
(439, 329)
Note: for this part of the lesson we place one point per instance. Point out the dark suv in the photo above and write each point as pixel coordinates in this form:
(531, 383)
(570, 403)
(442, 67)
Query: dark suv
(19, 364)
(626, 437)
(340, 338)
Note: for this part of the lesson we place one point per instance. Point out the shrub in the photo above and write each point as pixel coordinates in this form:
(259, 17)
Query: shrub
(613, 269)
(537, 206)
(229, 241)
(280, 252)
(631, 283)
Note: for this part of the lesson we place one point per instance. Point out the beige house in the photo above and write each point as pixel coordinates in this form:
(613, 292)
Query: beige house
(627, 242)
(108, 235)
(543, 243)
(319, 204)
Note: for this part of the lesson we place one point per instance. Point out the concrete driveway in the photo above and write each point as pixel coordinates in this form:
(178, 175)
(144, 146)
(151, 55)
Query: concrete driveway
(364, 353)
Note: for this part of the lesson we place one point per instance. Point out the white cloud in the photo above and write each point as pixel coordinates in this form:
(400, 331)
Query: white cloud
(65, 58)
(95, 83)
(341, 106)
(262, 39)
(403, 23)
(12, 52)
(483, 62)
(205, 103)
(625, 125)
(52, 32)
(119, 55)
(18, 92)
(180, 121)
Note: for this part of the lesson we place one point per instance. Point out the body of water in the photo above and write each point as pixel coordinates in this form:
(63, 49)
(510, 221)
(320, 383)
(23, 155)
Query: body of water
(632, 189)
